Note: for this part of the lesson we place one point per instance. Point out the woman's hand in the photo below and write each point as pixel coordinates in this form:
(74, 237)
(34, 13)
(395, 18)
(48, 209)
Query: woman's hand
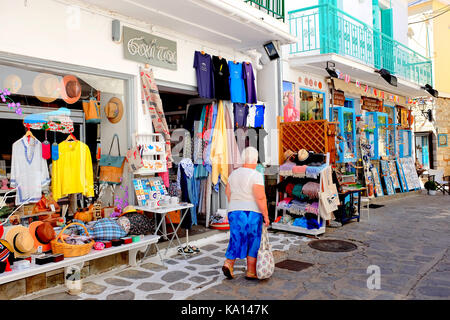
(266, 221)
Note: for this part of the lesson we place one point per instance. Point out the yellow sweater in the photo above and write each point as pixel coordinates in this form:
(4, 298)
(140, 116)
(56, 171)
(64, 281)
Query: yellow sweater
(72, 172)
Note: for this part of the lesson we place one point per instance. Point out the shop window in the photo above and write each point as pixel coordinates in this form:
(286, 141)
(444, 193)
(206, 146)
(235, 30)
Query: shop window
(311, 105)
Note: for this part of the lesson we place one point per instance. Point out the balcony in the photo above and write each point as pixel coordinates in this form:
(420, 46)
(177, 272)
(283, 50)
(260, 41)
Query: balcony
(274, 8)
(325, 29)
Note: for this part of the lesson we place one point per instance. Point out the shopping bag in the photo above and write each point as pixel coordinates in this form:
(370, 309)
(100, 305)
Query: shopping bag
(111, 167)
(134, 159)
(265, 263)
(91, 110)
(328, 197)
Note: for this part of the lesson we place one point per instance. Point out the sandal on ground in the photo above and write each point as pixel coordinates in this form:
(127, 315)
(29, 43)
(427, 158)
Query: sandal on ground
(185, 250)
(251, 276)
(194, 248)
(228, 271)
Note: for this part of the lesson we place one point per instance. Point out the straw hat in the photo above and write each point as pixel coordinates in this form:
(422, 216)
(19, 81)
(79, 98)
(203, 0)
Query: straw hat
(114, 110)
(288, 154)
(71, 89)
(302, 155)
(42, 233)
(128, 209)
(13, 83)
(46, 87)
(21, 241)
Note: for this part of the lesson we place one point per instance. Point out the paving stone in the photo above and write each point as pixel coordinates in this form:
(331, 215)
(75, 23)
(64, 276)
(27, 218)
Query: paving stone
(219, 254)
(197, 279)
(172, 262)
(150, 286)
(205, 261)
(209, 247)
(58, 296)
(223, 241)
(118, 282)
(174, 276)
(180, 286)
(135, 274)
(159, 296)
(192, 268)
(153, 267)
(209, 273)
(278, 247)
(122, 295)
(435, 291)
(93, 288)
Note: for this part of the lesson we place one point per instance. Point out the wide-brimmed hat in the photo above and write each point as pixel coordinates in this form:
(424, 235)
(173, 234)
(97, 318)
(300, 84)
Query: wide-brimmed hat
(70, 89)
(288, 154)
(13, 83)
(129, 209)
(42, 233)
(302, 155)
(114, 110)
(46, 87)
(21, 241)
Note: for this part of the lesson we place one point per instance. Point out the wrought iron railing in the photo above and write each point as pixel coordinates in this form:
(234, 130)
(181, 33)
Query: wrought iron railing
(274, 8)
(325, 29)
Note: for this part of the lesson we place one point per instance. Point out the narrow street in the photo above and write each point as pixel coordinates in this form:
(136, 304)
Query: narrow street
(407, 238)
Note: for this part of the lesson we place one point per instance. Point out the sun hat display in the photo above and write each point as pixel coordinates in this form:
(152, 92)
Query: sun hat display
(302, 155)
(46, 87)
(13, 83)
(288, 154)
(21, 241)
(128, 209)
(42, 233)
(70, 89)
(114, 110)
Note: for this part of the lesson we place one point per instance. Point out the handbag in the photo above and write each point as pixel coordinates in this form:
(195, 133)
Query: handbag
(134, 159)
(111, 167)
(329, 197)
(265, 264)
(91, 110)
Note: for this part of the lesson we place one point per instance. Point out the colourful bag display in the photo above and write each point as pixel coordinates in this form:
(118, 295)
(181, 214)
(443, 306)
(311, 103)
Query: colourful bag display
(265, 264)
(111, 167)
(91, 110)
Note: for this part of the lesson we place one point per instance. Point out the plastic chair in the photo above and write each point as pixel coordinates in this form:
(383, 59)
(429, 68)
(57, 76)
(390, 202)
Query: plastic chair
(438, 177)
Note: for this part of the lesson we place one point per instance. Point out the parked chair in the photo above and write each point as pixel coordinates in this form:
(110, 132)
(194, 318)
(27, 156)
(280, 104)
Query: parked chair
(443, 183)
(365, 206)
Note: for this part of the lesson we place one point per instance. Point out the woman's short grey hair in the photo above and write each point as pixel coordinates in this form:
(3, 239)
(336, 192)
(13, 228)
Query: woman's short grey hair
(250, 155)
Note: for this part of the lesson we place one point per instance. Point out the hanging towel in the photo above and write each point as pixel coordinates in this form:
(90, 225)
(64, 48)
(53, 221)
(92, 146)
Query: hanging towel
(219, 148)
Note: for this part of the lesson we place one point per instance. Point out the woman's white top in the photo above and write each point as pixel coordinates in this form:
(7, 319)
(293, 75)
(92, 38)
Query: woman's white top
(241, 183)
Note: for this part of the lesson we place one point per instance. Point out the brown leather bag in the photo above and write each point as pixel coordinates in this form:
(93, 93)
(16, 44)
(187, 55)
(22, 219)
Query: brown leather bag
(111, 167)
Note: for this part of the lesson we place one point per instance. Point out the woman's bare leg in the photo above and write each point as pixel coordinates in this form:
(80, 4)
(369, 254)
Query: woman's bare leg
(251, 265)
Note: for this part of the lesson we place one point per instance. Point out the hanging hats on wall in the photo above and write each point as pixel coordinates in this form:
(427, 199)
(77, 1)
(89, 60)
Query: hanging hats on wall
(71, 89)
(21, 241)
(13, 83)
(42, 233)
(114, 110)
(46, 87)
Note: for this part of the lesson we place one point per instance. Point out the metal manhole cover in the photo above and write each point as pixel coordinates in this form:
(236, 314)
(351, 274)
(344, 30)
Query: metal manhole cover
(293, 265)
(332, 245)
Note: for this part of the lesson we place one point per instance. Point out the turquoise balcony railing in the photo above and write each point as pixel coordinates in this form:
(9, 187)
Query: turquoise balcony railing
(274, 8)
(325, 29)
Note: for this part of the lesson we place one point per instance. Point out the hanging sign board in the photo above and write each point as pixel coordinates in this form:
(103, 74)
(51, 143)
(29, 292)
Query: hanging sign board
(370, 104)
(146, 48)
(338, 98)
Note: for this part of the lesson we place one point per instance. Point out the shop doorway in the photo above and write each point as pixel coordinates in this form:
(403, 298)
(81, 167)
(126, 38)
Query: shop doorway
(424, 149)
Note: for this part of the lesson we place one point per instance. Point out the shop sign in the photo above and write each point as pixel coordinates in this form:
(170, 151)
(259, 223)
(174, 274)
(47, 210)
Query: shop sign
(371, 104)
(147, 48)
(338, 98)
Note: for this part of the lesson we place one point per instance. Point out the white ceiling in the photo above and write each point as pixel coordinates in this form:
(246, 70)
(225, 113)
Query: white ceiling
(230, 23)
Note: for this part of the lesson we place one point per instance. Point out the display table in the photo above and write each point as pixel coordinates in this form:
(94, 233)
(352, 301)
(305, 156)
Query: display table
(163, 211)
(34, 269)
(343, 214)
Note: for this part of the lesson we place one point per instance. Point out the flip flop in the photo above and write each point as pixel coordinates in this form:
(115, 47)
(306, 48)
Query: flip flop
(228, 271)
(185, 250)
(194, 248)
(251, 276)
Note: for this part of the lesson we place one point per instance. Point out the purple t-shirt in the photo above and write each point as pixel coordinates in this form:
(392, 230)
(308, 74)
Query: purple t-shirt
(249, 79)
(240, 111)
(205, 76)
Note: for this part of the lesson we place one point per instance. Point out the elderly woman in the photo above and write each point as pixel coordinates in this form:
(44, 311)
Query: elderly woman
(247, 207)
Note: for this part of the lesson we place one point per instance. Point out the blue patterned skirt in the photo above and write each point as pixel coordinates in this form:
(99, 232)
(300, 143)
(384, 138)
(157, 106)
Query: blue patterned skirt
(245, 234)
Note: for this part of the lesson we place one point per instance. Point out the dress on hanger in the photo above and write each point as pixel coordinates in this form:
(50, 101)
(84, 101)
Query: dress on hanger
(29, 171)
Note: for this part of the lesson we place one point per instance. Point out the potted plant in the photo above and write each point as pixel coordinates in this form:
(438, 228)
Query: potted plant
(431, 186)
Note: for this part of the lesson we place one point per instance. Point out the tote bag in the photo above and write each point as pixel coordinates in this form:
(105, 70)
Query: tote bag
(329, 197)
(91, 110)
(134, 159)
(265, 264)
(111, 167)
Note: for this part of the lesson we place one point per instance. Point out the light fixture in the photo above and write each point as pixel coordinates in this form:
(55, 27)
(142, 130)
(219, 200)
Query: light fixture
(331, 69)
(271, 51)
(386, 75)
(430, 90)
(426, 113)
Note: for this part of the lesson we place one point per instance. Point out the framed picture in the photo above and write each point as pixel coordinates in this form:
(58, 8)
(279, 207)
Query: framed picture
(442, 140)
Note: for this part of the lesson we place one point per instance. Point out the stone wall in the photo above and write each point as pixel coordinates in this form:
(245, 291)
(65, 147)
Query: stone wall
(443, 126)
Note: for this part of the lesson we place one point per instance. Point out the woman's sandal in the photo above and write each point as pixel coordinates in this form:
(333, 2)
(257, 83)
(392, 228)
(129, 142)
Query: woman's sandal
(251, 276)
(227, 271)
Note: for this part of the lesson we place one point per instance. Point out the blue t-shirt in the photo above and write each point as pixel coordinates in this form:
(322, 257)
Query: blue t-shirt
(240, 112)
(259, 116)
(205, 75)
(237, 86)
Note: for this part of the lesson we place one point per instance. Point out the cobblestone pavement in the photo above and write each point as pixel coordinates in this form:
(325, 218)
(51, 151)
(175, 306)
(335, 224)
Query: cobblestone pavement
(408, 239)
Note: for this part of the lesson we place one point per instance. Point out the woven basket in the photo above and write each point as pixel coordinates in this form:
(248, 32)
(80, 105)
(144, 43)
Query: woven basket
(71, 250)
